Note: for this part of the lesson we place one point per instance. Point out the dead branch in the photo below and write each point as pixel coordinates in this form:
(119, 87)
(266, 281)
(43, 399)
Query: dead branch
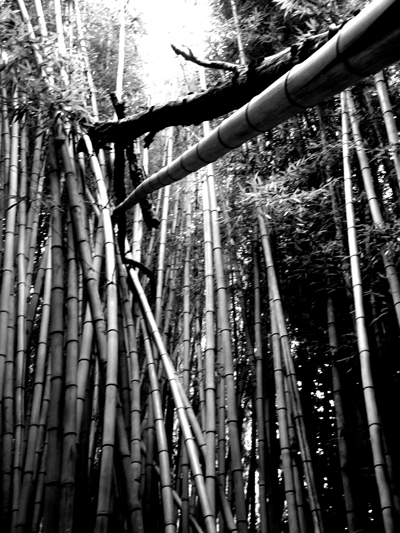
(220, 65)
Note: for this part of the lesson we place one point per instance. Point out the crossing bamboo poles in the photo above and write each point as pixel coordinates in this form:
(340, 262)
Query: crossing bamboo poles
(366, 44)
(374, 425)
(181, 403)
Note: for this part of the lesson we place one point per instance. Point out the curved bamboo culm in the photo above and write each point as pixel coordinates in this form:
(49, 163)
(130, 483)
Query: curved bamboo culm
(366, 44)
(375, 429)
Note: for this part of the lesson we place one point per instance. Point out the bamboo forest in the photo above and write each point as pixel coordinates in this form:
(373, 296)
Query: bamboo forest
(200, 260)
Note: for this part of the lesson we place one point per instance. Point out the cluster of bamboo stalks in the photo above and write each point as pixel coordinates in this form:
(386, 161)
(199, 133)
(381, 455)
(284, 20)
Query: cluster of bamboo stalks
(120, 414)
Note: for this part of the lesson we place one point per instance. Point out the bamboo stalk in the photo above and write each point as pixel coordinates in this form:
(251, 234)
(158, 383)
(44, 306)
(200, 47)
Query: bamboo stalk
(340, 425)
(390, 123)
(38, 390)
(292, 379)
(69, 451)
(178, 394)
(52, 487)
(375, 430)
(258, 401)
(9, 243)
(390, 269)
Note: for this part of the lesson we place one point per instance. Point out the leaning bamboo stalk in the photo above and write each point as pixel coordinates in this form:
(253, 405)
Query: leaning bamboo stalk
(68, 458)
(375, 430)
(341, 431)
(52, 488)
(286, 456)
(291, 373)
(135, 408)
(86, 340)
(38, 388)
(390, 269)
(177, 394)
(5, 155)
(363, 46)
(389, 119)
(161, 436)
(9, 243)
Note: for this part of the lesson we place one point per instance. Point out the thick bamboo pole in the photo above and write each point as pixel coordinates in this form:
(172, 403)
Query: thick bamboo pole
(9, 243)
(69, 451)
(52, 488)
(375, 429)
(363, 46)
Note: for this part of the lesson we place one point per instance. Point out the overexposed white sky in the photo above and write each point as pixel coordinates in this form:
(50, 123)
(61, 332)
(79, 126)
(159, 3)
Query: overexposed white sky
(178, 22)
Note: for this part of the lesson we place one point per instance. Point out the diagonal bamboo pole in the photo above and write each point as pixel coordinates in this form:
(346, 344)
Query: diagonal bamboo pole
(366, 44)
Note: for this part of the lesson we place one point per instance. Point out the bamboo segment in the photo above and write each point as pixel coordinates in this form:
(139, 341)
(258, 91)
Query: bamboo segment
(375, 430)
(366, 44)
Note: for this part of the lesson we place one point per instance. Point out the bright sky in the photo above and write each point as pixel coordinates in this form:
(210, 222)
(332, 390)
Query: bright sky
(178, 22)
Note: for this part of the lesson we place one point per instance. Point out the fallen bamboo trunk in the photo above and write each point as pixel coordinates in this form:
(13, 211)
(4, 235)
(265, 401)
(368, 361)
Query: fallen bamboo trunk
(362, 47)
